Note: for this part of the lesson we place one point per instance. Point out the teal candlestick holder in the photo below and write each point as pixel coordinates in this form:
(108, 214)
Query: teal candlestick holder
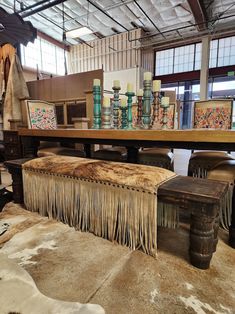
(115, 120)
(146, 113)
(97, 107)
(129, 106)
(124, 122)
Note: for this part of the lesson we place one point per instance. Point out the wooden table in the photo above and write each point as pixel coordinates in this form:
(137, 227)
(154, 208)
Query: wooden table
(132, 140)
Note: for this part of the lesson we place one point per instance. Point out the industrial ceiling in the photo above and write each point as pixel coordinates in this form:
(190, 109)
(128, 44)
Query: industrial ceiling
(161, 20)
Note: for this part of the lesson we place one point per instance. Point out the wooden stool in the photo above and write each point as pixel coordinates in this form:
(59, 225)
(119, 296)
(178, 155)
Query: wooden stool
(225, 171)
(158, 157)
(113, 154)
(202, 162)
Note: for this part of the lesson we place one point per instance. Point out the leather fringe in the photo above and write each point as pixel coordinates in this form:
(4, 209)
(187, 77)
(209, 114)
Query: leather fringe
(120, 214)
(226, 208)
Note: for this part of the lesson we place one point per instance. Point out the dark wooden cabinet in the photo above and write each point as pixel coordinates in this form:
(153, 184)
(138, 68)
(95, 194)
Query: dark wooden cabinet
(12, 145)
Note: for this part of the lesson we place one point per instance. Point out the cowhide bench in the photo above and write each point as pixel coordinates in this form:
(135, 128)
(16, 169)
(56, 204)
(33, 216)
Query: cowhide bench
(120, 201)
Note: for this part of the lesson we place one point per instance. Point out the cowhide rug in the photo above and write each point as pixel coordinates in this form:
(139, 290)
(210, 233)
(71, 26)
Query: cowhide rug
(48, 267)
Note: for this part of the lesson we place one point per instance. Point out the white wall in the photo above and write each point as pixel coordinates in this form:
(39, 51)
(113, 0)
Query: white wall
(124, 76)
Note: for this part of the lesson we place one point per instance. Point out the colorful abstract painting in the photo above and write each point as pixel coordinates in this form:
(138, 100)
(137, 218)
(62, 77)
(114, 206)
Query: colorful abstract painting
(214, 114)
(41, 115)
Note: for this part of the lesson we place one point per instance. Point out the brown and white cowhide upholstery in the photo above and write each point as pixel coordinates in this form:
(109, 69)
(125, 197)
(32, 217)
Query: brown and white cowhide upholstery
(116, 201)
(140, 177)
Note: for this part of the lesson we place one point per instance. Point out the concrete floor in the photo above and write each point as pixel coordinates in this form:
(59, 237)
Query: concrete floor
(74, 266)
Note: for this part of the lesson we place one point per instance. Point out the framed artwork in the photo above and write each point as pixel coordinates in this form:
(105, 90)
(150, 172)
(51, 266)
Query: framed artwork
(41, 115)
(213, 114)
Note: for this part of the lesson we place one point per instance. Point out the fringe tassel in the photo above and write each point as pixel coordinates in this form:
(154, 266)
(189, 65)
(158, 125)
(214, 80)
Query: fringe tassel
(200, 172)
(226, 205)
(114, 213)
(168, 215)
(226, 208)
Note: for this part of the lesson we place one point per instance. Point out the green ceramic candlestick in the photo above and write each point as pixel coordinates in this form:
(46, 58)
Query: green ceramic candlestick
(97, 107)
(129, 106)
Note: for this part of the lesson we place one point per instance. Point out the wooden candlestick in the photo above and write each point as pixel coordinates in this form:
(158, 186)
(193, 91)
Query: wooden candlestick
(124, 123)
(156, 123)
(106, 118)
(146, 113)
(129, 106)
(165, 107)
(139, 110)
(97, 107)
(115, 119)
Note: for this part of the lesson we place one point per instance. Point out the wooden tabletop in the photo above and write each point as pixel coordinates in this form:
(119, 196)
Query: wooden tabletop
(202, 135)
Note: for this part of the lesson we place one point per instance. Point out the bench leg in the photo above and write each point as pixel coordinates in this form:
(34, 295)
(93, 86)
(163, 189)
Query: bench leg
(201, 240)
(15, 169)
(17, 186)
(216, 229)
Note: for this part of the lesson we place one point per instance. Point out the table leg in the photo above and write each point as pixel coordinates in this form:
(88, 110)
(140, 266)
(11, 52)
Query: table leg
(87, 150)
(30, 147)
(132, 154)
(201, 240)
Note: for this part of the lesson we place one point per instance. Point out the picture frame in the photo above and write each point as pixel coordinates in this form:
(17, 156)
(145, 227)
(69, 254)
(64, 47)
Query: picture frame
(213, 114)
(41, 115)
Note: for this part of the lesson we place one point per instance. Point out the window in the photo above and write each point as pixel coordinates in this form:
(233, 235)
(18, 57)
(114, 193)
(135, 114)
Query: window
(222, 52)
(164, 62)
(180, 59)
(44, 55)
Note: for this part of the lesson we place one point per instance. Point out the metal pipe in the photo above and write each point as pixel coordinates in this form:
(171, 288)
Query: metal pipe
(32, 6)
(42, 8)
(177, 29)
(105, 13)
(140, 8)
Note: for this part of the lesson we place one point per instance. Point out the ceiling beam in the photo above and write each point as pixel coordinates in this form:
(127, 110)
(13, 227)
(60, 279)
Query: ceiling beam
(42, 8)
(198, 14)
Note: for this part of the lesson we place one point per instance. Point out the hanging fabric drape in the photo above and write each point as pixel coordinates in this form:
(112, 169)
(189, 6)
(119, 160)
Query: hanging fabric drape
(12, 85)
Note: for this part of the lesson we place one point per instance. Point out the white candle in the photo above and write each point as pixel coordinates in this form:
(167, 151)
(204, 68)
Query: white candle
(140, 92)
(129, 87)
(156, 86)
(147, 76)
(96, 82)
(116, 83)
(123, 102)
(106, 102)
(165, 101)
